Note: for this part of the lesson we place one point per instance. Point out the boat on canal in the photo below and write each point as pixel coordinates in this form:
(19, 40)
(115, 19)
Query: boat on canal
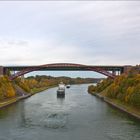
(61, 90)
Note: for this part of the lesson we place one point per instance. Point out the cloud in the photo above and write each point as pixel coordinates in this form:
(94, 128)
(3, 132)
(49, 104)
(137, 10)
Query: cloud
(12, 43)
(92, 32)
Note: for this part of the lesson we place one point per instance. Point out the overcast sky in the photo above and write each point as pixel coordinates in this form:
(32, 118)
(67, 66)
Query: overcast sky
(93, 32)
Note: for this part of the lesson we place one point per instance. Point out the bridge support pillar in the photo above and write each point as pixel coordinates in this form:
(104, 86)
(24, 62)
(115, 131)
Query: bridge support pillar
(119, 72)
(127, 69)
(1, 71)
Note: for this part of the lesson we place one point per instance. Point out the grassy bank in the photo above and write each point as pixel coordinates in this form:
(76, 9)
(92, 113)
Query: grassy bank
(12, 100)
(8, 101)
(125, 107)
(128, 107)
(130, 110)
(13, 91)
(36, 90)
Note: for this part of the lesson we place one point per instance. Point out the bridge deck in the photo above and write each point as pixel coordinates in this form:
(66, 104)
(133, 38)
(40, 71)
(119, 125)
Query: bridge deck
(61, 68)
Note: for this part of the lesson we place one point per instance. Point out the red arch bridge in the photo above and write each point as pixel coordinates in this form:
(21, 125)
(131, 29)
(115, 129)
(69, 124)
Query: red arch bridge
(109, 71)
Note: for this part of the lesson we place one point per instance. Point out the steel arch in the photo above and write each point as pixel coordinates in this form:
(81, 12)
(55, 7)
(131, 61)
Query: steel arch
(62, 65)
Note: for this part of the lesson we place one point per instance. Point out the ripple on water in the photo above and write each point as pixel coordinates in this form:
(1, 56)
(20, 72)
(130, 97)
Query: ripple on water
(53, 120)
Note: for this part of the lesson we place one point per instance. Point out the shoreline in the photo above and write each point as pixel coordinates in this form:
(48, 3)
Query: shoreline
(27, 95)
(18, 98)
(13, 100)
(119, 107)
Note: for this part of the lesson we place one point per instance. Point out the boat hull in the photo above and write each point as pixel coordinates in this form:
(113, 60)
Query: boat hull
(60, 93)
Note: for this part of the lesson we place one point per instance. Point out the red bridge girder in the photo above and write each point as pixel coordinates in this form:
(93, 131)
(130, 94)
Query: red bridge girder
(62, 65)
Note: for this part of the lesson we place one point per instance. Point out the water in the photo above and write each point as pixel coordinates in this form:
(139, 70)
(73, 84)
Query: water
(78, 116)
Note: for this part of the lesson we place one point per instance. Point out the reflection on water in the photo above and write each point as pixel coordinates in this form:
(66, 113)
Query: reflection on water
(78, 116)
(60, 96)
(61, 100)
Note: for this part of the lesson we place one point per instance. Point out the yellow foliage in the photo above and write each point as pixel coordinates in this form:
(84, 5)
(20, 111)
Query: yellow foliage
(6, 88)
(10, 92)
(129, 92)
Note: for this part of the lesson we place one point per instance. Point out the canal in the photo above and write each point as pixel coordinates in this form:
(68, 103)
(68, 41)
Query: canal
(78, 116)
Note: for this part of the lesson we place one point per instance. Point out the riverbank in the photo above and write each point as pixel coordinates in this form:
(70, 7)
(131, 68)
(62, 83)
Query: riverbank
(131, 111)
(24, 95)
(10, 101)
(13, 100)
(36, 90)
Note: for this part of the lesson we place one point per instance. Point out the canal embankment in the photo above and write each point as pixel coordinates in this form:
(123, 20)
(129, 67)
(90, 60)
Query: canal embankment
(10, 101)
(123, 92)
(131, 111)
(21, 95)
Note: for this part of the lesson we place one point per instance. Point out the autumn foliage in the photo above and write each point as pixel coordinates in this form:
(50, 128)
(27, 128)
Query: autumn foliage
(35, 84)
(6, 88)
(41, 82)
(125, 88)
